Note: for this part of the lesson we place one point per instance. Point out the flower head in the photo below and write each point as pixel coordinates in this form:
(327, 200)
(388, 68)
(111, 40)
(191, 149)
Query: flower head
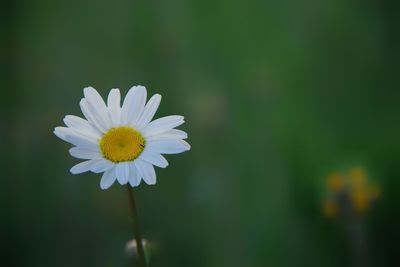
(123, 143)
(349, 191)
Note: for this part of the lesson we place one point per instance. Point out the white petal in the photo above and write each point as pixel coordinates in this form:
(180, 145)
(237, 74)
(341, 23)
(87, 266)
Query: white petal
(83, 166)
(81, 125)
(107, 179)
(146, 171)
(170, 134)
(162, 124)
(92, 116)
(133, 105)
(82, 153)
(69, 135)
(61, 132)
(172, 146)
(98, 106)
(101, 165)
(134, 177)
(154, 158)
(94, 98)
(114, 106)
(122, 170)
(149, 111)
(83, 142)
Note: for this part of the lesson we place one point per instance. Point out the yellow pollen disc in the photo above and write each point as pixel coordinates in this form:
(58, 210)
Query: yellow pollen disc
(122, 144)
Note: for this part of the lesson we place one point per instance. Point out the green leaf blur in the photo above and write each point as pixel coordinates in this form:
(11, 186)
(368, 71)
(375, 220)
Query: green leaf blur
(275, 94)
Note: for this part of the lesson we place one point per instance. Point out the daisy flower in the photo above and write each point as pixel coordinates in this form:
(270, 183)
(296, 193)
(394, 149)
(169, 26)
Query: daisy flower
(123, 143)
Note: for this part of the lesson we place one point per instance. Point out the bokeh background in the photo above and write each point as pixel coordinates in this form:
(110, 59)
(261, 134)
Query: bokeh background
(276, 95)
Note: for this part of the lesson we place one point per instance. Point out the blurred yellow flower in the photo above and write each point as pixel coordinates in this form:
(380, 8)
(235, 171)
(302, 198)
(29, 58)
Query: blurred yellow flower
(349, 191)
(335, 182)
(360, 200)
(330, 208)
(358, 177)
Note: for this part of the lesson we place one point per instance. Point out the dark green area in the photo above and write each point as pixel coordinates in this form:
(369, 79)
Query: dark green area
(276, 94)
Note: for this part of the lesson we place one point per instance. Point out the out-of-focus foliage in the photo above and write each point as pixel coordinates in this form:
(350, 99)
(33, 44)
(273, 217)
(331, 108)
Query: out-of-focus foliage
(276, 94)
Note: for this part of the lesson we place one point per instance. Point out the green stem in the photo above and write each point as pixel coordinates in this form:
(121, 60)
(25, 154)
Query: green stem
(136, 231)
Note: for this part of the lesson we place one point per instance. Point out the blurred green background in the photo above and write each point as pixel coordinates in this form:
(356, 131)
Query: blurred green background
(276, 95)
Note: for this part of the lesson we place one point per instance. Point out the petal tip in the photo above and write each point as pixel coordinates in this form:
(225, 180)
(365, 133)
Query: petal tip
(114, 90)
(103, 187)
(150, 182)
(88, 89)
(58, 132)
(138, 87)
(187, 146)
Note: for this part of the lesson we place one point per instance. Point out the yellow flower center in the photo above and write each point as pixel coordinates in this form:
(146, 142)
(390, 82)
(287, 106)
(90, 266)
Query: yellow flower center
(122, 144)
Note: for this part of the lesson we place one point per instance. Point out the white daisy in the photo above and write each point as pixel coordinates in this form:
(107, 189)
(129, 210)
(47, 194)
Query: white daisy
(122, 142)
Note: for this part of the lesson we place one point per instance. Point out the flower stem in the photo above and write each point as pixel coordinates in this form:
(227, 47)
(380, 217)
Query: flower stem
(136, 231)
